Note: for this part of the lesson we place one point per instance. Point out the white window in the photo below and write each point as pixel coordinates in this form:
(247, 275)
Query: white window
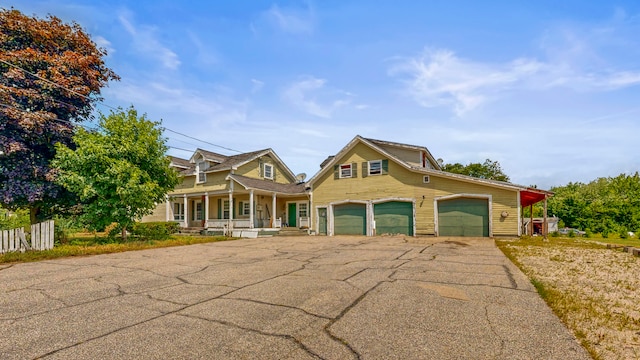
(245, 208)
(225, 209)
(268, 171)
(345, 171)
(198, 212)
(200, 168)
(425, 179)
(302, 209)
(375, 167)
(178, 211)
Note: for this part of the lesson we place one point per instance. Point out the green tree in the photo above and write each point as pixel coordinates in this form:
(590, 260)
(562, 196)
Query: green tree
(604, 205)
(119, 172)
(487, 170)
(51, 74)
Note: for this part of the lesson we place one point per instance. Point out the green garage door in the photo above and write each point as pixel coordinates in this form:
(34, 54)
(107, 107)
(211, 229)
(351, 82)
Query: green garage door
(350, 219)
(463, 217)
(394, 217)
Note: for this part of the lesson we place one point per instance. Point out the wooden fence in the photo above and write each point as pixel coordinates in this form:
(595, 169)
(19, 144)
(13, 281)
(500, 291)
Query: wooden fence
(16, 240)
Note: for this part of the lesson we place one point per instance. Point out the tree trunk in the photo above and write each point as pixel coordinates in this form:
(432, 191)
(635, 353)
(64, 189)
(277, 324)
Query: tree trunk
(124, 234)
(34, 214)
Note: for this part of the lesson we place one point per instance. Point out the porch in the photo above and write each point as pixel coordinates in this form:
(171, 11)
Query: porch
(238, 210)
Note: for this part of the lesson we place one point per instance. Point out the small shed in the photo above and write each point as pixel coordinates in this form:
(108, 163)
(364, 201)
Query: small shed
(552, 225)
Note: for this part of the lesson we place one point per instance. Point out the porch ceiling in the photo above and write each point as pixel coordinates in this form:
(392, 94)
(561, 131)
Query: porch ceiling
(532, 196)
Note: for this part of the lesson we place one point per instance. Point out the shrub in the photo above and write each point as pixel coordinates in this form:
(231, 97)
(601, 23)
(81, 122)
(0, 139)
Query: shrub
(154, 230)
(554, 234)
(588, 233)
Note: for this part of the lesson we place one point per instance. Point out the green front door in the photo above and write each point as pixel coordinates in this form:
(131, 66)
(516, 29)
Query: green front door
(322, 221)
(350, 219)
(463, 217)
(293, 214)
(394, 217)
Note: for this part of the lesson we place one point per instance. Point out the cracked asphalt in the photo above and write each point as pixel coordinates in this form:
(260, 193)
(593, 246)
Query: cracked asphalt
(282, 298)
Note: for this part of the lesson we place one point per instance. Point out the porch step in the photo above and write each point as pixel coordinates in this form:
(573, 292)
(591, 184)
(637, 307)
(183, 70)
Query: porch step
(292, 231)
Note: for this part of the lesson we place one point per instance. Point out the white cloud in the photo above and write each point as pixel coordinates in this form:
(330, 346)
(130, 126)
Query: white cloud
(439, 77)
(146, 43)
(304, 95)
(257, 85)
(105, 44)
(291, 20)
(581, 57)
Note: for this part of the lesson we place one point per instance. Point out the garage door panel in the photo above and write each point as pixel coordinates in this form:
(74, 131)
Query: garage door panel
(394, 218)
(350, 219)
(463, 217)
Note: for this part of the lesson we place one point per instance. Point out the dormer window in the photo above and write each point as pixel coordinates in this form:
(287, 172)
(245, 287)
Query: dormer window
(268, 171)
(375, 167)
(345, 171)
(201, 166)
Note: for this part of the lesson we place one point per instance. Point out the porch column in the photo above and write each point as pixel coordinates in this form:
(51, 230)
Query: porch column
(545, 225)
(273, 210)
(531, 219)
(186, 211)
(167, 214)
(230, 210)
(251, 209)
(206, 209)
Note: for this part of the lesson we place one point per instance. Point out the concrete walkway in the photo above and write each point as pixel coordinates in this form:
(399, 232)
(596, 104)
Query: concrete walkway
(282, 298)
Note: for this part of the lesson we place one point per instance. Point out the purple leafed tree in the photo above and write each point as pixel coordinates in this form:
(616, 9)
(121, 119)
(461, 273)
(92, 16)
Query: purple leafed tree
(51, 74)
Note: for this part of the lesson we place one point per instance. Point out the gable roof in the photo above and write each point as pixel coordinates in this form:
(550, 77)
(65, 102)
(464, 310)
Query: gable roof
(207, 155)
(382, 143)
(376, 145)
(179, 162)
(259, 184)
(232, 162)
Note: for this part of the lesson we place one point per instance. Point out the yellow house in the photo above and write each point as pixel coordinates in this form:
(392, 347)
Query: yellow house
(376, 187)
(254, 190)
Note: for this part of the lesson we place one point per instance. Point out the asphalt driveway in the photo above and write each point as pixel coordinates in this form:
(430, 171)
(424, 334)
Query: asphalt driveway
(282, 298)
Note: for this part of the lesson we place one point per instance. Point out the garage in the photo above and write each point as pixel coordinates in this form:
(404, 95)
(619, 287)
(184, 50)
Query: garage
(394, 217)
(350, 219)
(463, 217)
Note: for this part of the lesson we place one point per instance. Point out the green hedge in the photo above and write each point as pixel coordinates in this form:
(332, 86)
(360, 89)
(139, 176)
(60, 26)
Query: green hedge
(155, 230)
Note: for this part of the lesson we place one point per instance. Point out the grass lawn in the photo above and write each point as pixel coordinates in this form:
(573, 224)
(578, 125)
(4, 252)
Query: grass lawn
(594, 290)
(83, 244)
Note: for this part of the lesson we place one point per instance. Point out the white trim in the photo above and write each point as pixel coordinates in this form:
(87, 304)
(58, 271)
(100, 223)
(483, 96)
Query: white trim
(369, 167)
(330, 229)
(264, 171)
(350, 165)
(488, 197)
(426, 179)
(394, 199)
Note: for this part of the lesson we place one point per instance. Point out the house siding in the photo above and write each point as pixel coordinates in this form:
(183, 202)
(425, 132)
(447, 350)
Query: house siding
(406, 184)
(159, 213)
(252, 170)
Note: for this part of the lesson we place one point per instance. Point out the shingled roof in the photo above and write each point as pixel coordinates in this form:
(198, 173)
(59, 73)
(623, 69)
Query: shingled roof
(266, 185)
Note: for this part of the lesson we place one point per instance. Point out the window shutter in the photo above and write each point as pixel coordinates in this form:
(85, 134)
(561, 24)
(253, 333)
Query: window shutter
(336, 171)
(354, 170)
(240, 208)
(385, 167)
(219, 208)
(365, 169)
(234, 206)
(273, 172)
(260, 168)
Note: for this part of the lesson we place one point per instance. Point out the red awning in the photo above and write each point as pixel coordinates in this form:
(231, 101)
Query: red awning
(532, 196)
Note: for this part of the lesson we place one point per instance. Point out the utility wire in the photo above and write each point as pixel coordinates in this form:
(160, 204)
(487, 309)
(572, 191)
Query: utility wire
(109, 106)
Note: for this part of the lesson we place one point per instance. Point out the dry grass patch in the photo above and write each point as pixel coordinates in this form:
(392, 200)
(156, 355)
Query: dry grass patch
(594, 290)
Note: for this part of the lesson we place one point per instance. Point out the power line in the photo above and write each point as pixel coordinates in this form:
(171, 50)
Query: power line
(203, 141)
(109, 106)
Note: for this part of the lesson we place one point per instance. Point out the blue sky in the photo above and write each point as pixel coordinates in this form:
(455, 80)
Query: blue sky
(551, 90)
